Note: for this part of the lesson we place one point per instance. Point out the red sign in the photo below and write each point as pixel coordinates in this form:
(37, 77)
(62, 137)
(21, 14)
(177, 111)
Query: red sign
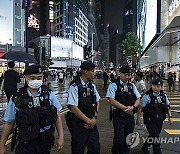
(1, 54)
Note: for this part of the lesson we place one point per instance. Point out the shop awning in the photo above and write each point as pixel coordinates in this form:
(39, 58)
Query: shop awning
(170, 35)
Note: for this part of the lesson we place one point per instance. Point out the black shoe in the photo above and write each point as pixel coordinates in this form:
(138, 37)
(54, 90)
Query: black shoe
(145, 150)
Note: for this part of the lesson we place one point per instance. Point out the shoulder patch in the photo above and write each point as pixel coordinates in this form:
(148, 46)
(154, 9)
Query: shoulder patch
(16, 99)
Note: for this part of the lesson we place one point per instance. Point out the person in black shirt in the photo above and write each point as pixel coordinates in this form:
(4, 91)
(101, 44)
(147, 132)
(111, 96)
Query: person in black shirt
(105, 78)
(11, 78)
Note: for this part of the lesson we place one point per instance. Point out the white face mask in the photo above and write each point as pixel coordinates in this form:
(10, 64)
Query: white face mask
(35, 84)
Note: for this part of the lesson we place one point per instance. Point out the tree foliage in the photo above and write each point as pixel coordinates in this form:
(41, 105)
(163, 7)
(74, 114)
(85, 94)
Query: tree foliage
(131, 44)
(47, 62)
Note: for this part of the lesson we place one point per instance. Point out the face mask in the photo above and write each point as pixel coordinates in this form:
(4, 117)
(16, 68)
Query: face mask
(35, 84)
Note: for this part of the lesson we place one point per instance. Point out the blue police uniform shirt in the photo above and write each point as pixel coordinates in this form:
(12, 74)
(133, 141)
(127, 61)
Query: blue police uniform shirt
(11, 110)
(73, 93)
(146, 100)
(113, 88)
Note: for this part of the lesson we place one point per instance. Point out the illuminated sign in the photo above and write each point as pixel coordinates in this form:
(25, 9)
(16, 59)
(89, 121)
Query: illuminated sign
(51, 11)
(173, 6)
(60, 47)
(33, 22)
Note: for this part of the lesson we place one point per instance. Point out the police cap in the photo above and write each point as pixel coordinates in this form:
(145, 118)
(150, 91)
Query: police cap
(157, 81)
(87, 65)
(125, 69)
(33, 69)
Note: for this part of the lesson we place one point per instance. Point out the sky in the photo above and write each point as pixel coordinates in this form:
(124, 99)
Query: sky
(6, 29)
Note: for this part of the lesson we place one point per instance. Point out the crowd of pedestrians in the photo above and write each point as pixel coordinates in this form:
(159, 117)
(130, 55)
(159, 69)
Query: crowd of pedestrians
(35, 111)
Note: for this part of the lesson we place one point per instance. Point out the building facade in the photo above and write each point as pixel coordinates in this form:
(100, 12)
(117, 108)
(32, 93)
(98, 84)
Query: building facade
(40, 21)
(163, 53)
(12, 23)
(71, 20)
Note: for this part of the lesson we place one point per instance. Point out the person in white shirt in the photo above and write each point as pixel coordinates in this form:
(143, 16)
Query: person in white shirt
(140, 85)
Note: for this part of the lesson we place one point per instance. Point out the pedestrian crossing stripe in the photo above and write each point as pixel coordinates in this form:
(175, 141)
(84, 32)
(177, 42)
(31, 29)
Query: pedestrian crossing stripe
(173, 119)
(174, 102)
(64, 111)
(174, 98)
(178, 111)
(172, 131)
(175, 105)
(9, 139)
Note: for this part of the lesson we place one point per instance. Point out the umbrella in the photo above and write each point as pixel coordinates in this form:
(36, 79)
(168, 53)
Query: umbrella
(19, 56)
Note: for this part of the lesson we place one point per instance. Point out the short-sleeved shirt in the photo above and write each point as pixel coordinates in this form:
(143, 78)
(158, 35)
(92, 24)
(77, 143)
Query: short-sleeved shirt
(73, 93)
(113, 88)
(11, 78)
(146, 100)
(141, 86)
(11, 110)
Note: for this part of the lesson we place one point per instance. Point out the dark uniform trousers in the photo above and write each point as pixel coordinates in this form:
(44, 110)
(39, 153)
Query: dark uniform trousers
(123, 126)
(154, 129)
(83, 137)
(40, 145)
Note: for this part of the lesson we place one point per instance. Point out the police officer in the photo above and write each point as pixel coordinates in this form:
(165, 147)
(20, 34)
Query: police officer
(35, 110)
(155, 106)
(83, 101)
(124, 98)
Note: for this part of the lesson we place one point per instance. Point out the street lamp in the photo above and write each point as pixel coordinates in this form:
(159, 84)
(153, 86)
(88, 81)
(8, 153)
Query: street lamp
(92, 48)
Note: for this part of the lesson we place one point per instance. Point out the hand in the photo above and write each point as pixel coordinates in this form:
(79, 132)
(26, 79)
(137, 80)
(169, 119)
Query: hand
(59, 144)
(90, 123)
(129, 110)
(170, 121)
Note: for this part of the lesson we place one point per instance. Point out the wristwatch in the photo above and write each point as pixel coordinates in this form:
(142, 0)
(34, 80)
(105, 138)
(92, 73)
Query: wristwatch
(134, 108)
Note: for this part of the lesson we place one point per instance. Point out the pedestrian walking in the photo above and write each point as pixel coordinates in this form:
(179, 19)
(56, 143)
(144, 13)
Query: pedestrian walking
(170, 81)
(60, 77)
(35, 111)
(83, 102)
(112, 75)
(124, 98)
(140, 85)
(105, 79)
(11, 78)
(155, 105)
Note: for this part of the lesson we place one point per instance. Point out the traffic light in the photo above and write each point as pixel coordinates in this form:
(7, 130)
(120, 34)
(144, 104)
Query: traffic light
(89, 52)
(85, 52)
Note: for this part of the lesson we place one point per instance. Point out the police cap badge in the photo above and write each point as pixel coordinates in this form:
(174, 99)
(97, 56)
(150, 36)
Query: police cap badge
(157, 81)
(33, 69)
